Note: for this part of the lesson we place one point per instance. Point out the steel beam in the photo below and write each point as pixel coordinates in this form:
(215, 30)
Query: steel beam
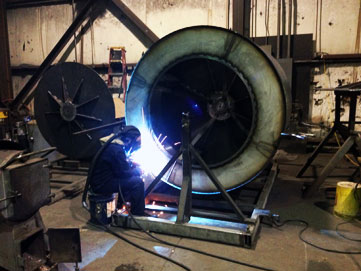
(118, 9)
(27, 69)
(132, 22)
(330, 166)
(13, 4)
(201, 228)
(27, 93)
(6, 88)
(241, 16)
(185, 198)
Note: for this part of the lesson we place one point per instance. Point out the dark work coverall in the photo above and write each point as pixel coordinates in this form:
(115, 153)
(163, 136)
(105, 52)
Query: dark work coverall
(111, 170)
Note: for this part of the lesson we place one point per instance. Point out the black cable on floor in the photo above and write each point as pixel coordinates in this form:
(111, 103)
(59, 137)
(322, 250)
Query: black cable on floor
(344, 236)
(308, 242)
(102, 226)
(188, 248)
(106, 228)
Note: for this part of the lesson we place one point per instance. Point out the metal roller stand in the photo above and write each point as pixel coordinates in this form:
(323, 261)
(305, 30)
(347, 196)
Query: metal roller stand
(201, 224)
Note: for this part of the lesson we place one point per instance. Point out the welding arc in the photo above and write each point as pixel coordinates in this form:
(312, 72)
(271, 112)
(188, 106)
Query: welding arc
(188, 248)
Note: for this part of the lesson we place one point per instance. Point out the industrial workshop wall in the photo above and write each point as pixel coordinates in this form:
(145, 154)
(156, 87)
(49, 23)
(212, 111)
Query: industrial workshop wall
(334, 24)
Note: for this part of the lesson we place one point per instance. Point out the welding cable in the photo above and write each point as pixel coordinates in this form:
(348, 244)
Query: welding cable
(188, 248)
(344, 236)
(91, 168)
(105, 227)
(306, 226)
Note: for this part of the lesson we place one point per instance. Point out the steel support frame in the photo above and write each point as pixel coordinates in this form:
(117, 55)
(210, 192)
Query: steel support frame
(119, 9)
(220, 231)
(351, 141)
(241, 233)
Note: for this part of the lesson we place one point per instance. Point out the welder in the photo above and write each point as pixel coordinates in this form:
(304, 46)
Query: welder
(113, 171)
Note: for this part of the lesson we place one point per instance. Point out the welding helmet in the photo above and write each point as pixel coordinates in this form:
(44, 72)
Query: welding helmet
(131, 138)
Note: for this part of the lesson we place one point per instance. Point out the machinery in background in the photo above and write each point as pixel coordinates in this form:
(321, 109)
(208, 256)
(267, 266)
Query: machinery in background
(25, 244)
(350, 137)
(14, 133)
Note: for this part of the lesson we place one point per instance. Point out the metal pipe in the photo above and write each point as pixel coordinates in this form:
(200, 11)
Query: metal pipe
(255, 18)
(289, 28)
(252, 11)
(320, 25)
(316, 23)
(318, 62)
(227, 14)
(34, 3)
(6, 87)
(25, 69)
(117, 123)
(295, 10)
(63, 192)
(283, 26)
(75, 49)
(278, 29)
(11, 197)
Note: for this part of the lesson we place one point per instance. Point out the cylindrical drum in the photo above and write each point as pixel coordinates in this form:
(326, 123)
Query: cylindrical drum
(236, 96)
(348, 199)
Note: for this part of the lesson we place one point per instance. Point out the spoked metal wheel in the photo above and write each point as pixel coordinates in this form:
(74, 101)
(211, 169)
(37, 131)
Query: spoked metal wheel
(217, 97)
(72, 97)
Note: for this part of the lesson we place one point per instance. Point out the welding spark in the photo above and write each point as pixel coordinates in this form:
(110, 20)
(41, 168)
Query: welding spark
(151, 156)
(163, 140)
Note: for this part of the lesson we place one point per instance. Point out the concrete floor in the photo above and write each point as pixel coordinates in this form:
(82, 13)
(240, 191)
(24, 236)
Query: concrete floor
(278, 249)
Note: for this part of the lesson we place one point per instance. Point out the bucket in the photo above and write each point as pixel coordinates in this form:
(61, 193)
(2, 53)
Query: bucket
(101, 208)
(347, 202)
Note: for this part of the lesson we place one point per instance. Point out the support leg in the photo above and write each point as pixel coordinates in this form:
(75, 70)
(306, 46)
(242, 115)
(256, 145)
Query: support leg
(219, 186)
(161, 174)
(329, 167)
(185, 199)
(315, 153)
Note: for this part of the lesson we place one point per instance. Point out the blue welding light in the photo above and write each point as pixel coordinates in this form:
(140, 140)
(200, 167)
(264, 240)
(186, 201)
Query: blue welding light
(196, 108)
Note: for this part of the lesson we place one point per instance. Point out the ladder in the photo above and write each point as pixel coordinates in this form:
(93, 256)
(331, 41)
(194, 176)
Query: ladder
(117, 68)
